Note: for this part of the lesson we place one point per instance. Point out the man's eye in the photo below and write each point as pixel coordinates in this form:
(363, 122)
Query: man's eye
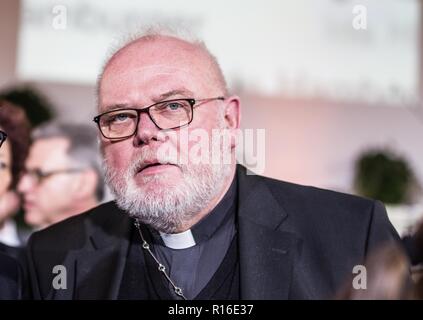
(120, 117)
(174, 106)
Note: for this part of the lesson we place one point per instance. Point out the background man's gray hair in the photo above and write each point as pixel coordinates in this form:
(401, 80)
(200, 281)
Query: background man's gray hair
(83, 148)
(153, 32)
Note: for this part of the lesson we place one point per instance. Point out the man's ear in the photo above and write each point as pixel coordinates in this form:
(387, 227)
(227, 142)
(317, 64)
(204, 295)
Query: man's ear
(232, 112)
(232, 116)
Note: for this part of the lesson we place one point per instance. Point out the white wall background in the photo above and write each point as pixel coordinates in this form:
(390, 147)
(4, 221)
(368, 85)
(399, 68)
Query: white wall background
(307, 46)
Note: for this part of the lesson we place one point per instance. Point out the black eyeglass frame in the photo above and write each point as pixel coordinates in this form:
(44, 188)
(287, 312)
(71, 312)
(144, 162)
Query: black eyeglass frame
(3, 137)
(146, 110)
(40, 175)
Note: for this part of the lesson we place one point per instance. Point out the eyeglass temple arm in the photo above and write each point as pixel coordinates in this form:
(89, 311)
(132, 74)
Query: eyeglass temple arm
(208, 99)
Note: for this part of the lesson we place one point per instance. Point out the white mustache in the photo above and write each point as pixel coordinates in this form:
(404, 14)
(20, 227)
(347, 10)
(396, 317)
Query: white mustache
(148, 156)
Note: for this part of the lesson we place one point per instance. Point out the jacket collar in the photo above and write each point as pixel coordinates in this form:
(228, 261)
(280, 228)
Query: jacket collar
(266, 247)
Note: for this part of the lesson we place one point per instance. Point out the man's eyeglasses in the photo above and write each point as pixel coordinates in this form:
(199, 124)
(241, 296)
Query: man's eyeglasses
(3, 137)
(39, 176)
(169, 114)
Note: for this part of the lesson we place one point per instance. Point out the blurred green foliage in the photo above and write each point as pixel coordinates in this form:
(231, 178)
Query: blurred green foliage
(382, 175)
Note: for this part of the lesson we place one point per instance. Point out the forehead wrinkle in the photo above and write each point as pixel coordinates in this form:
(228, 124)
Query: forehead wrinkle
(122, 75)
(144, 55)
(136, 77)
(162, 66)
(121, 71)
(157, 98)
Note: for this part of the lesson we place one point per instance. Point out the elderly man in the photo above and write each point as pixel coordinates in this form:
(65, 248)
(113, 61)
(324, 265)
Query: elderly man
(62, 174)
(187, 229)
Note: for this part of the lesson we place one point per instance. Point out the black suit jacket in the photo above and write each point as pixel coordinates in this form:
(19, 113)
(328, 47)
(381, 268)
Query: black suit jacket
(295, 242)
(10, 277)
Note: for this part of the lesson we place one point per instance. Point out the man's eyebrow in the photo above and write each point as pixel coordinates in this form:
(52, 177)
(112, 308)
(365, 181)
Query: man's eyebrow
(116, 107)
(177, 92)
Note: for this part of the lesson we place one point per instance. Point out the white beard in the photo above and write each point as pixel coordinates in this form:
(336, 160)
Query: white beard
(169, 208)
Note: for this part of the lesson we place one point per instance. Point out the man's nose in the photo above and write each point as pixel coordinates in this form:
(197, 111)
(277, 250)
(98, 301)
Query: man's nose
(25, 184)
(147, 131)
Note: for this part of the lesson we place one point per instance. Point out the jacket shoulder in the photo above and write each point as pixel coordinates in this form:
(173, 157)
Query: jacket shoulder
(309, 196)
(9, 278)
(73, 232)
(319, 211)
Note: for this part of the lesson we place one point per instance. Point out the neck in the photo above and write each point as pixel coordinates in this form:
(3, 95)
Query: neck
(188, 224)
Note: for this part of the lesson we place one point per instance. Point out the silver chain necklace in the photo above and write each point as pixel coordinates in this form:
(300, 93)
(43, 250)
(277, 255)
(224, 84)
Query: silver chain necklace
(161, 267)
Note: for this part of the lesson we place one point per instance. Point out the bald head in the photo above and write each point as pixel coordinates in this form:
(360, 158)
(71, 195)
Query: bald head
(163, 55)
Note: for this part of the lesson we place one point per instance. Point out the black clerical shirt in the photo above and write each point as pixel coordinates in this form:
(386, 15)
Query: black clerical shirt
(192, 268)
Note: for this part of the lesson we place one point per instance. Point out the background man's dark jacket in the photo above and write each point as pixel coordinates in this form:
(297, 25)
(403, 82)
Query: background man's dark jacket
(10, 276)
(295, 242)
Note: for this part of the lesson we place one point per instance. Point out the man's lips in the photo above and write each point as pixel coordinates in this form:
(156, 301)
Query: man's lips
(28, 204)
(148, 165)
(153, 167)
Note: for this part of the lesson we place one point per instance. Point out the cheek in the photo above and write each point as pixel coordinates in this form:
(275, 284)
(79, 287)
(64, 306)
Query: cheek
(45, 199)
(207, 119)
(5, 181)
(117, 155)
(55, 192)
(201, 144)
(50, 192)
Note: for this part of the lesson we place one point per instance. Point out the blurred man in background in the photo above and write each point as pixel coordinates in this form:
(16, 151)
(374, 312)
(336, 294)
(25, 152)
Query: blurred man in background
(63, 174)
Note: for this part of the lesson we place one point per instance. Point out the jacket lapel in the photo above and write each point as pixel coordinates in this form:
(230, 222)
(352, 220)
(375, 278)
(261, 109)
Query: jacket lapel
(267, 251)
(99, 273)
(95, 271)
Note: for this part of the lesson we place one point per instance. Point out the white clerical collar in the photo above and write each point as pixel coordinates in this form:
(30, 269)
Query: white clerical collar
(181, 240)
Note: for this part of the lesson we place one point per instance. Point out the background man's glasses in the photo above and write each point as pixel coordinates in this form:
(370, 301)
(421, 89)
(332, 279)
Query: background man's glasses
(39, 176)
(3, 137)
(169, 114)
